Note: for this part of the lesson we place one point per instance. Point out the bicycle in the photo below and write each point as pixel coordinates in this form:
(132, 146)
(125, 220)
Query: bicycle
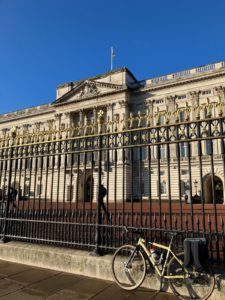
(129, 269)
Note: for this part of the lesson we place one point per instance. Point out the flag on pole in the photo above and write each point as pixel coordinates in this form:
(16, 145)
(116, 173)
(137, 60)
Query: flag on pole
(113, 52)
(112, 57)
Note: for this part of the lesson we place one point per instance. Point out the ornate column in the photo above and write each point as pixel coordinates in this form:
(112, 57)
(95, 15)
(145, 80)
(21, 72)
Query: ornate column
(25, 128)
(194, 102)
(123, 114)
(109, 116)
(149, 112)
(220, 93)
(171, 107)
(94, 120)
(58, 117)
(81, 121)
(50, 124)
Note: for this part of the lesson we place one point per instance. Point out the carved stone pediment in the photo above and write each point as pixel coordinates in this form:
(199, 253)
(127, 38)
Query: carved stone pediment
(88, 89)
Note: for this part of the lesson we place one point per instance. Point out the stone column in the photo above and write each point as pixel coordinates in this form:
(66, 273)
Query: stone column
(58, 117)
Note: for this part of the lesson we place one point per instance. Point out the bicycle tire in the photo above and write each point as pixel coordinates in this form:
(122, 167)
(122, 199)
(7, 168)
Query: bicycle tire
(128, 277)
(200, 285)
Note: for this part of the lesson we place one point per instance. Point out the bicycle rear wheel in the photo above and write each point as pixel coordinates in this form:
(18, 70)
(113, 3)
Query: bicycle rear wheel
(128, 267)
(198, 285)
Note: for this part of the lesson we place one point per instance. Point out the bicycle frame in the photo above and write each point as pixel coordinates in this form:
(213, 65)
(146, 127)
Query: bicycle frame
(142, 244)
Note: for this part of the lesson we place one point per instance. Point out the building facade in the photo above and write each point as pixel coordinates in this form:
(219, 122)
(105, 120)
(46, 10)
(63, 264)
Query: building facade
(124, 103)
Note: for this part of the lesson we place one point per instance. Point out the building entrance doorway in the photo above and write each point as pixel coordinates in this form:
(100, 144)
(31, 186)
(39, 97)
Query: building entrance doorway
(208, 189)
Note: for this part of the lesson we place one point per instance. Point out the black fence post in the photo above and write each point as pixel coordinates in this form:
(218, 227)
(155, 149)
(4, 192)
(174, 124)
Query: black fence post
(98, 238)
(8, 197)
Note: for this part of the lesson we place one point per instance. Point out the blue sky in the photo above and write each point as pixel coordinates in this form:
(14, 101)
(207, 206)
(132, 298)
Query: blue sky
(44, 43)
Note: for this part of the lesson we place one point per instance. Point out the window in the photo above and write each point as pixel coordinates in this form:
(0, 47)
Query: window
(69, 192)
(181, 97)
(182, 116)
(161, 120)
(163, 187)
(208, 148)
(39, 189)
(162, 151)
(184, 172)
(159, 101)
(184, 187)
(206, 92)
(144, 153)
(28, 163)
(183, 149)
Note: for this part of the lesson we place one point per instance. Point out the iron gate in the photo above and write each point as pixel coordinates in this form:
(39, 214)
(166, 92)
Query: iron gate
(78, 187)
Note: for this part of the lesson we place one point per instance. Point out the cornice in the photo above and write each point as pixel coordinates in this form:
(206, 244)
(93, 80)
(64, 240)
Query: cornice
(189, 80)
(15, 118)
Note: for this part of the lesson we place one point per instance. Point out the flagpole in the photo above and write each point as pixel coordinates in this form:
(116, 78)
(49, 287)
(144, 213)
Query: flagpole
(111, 58)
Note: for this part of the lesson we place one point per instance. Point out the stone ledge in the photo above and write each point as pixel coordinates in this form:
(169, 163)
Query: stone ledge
(81, 263)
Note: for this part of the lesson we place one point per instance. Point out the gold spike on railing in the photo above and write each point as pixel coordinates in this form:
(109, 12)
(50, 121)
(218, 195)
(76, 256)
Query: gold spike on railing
(123, 122)
(148, 118)
(167, 114)
(131, 120)
(187, 111)
(176, 113)
(197, 110)
(219, 106)
(119, 122)
(208, 107)
(139, 119)
(100, 120)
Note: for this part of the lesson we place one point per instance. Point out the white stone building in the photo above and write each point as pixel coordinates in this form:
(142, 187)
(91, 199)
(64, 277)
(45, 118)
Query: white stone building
(126, 103)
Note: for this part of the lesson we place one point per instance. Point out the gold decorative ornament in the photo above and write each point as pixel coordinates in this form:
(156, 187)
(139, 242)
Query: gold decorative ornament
(167, 114)
(219, 106)
(123, 121)
(187, 111)
(139, 119)
(208, 107)
(148, 118)
(131, 120)
(197, 110)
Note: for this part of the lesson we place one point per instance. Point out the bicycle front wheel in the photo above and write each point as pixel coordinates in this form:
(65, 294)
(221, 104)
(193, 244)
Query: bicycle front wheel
(128, 267)
(197, 285)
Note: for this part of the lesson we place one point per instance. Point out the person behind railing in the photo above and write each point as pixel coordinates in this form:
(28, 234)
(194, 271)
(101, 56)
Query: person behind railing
(12, 197)
(103, 193)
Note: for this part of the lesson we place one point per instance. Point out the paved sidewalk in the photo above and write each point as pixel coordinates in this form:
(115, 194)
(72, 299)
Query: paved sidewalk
(30, 283)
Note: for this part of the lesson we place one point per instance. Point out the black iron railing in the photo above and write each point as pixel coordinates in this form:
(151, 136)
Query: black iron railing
(80, 190)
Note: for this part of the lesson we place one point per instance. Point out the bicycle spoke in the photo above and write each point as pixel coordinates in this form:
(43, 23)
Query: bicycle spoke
(195, 285)
(129, 267)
